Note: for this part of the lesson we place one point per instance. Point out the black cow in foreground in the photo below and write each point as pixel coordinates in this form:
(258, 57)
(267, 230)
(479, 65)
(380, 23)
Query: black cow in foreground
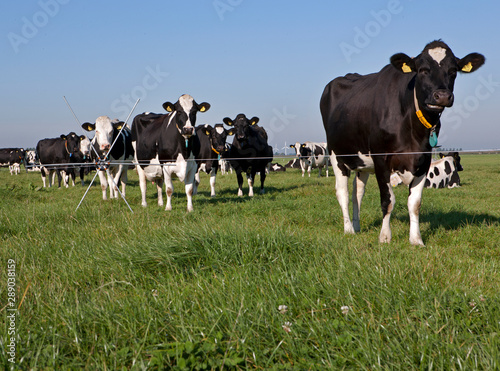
(249, 152)
(13, 158)
(111, 135)
(166, 145)
(212, 148)
(57, 155)
(386, 122)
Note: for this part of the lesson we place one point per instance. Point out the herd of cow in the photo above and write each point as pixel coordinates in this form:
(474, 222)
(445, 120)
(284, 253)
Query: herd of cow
(384, 123)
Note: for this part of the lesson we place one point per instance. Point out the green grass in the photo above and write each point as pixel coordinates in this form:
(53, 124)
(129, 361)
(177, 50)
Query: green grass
(102, 288)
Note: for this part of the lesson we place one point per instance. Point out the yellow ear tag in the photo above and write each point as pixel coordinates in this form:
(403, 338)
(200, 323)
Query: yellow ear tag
(406, 68)
(202, 109)
(468, 67)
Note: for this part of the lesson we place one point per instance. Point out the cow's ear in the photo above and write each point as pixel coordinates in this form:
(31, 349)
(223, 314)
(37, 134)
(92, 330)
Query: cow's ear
(207, 129)
(292, 145)
(254, 120)
(230, 131)
(228, 121)
(203, 107)
(403, 63)
(88, 126)
(118, 125)
(470, 62)
(441, 155)
(82, 137)
(63, 136)
(169, 107)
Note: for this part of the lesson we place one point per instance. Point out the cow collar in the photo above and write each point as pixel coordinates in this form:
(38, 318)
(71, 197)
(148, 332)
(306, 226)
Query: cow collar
(66, 147)
(433, 140)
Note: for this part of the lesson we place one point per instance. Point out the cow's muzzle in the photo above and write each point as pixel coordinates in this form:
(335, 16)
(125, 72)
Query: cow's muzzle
(187, 132)
(440, 99)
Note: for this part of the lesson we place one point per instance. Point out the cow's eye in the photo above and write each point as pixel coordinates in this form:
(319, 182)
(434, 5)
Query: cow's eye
(424, 71)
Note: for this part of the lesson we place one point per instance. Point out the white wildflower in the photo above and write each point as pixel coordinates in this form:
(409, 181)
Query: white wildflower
(287, 327)
(345, 309)
(283, 309)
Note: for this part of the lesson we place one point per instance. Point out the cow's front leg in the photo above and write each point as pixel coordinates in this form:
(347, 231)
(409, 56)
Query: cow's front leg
(189, 185)
(262, 180)
(213, 176)
(104, 184)
(169, 188)
(239, 177)
(414, 202)
(250, 179)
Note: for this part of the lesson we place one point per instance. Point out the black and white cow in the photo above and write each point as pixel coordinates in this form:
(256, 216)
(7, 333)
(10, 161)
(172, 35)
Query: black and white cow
(225, 166)
(385, 122)
(166, 145)
(13, 158)
(110, 136)
(212, 148)
(293, 164)
(56, 155)
(249, 152)
(31, 161)
(311, 155)
(444, 172)
(277, 167)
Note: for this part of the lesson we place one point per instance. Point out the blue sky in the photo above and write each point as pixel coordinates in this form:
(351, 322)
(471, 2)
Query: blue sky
(269, 59)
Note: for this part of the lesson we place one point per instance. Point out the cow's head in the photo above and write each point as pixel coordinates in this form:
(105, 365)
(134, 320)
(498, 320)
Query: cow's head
(85, 147)
(104, 128)
(456, 159)
(72, 145)
(184, 114)
(301, 150)
(217, 136)
(240, 126)
(435, 71)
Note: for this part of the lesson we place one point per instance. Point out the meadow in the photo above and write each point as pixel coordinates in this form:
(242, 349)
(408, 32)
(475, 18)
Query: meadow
(269, 282)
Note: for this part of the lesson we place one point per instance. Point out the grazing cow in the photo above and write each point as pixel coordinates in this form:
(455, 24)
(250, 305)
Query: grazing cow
(277, 167)
(387, 122)
(166, 145)
(107, 132)
(212, 147)
(444, 172)
(57, 154)
(311, 155)
(249, 152)
(13, 158)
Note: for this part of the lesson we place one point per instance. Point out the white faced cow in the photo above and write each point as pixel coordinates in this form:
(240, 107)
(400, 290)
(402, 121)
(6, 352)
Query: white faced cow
(311, 155)
(166, 145)
(107, 132)
(387, 122)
